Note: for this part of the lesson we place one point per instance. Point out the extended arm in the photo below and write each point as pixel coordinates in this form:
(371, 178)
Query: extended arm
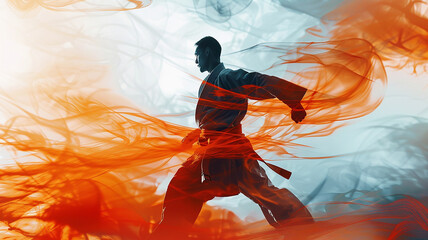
(261, 86)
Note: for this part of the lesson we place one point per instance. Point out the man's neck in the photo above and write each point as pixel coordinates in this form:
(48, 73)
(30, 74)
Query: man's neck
(213, 66)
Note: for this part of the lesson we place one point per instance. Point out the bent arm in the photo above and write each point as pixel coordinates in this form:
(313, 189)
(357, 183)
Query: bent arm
(260, 86)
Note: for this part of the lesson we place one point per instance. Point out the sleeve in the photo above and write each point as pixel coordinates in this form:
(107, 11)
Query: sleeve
(260, 86)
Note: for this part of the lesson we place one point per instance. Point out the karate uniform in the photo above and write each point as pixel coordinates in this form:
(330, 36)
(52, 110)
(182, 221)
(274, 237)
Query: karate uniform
(225, 163)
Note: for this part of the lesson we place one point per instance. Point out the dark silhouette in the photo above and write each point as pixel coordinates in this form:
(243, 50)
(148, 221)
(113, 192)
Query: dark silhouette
(225, 163)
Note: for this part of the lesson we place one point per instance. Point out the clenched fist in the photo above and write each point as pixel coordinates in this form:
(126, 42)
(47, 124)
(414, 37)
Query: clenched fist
(298, 113)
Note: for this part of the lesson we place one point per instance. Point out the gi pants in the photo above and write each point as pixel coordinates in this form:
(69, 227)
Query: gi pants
(226, 166)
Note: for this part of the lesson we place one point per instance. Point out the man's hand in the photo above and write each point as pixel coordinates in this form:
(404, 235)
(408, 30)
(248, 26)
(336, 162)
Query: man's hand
(191, 138)
(298, 113)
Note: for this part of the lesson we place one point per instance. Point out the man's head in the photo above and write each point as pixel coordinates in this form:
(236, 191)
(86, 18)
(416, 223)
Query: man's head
(207, 54)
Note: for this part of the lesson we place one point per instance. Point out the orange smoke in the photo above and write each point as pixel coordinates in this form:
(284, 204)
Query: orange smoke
(92, 171)
(398, 29)
(85, 162)
(346, 220)
(346, 80)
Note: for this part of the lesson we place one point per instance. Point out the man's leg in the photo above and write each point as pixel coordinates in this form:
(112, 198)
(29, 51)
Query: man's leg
(183, 202)
(278, 205)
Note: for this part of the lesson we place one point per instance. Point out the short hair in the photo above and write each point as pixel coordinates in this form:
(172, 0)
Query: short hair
(210, 42)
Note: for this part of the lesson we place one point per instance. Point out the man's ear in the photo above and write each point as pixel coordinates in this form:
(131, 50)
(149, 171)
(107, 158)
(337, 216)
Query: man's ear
(207, 51)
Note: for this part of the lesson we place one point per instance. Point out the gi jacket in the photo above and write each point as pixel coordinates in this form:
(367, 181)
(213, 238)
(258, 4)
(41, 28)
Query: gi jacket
(224, 94)
(223, 103)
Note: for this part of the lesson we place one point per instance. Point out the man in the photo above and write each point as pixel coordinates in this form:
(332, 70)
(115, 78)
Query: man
(225, 163)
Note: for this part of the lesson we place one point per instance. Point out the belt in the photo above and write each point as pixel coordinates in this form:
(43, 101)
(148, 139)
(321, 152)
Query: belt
(280, 171)
(206, 137)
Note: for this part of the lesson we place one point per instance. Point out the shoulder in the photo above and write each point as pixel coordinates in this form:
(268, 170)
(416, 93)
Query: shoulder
(225, 72)
(229, 74)
(228, 78)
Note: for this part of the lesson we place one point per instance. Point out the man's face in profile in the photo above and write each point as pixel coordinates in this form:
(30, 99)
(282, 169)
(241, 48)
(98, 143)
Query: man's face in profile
(201, 59)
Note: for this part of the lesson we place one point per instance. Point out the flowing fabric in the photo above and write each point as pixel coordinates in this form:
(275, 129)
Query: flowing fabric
(82, 160)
